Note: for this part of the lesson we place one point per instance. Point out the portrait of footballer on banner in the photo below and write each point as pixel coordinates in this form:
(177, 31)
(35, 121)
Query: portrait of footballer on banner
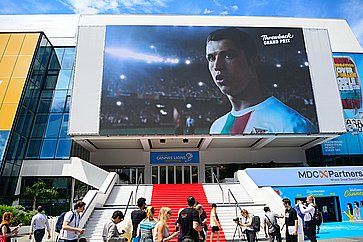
(206, 80)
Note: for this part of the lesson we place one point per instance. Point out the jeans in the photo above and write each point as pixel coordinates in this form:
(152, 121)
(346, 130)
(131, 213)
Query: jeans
(39, 234)
(276, 236)
(251, 235)
(310, 230)
(290, 238)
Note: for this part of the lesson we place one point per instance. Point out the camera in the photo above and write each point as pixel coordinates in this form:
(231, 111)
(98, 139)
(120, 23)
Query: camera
(236, 220)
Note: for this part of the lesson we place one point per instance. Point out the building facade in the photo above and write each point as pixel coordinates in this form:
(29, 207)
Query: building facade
(133, 94)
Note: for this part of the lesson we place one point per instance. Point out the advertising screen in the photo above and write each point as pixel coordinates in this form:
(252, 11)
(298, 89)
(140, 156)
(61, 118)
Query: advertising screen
(187, 80)
(349, 70)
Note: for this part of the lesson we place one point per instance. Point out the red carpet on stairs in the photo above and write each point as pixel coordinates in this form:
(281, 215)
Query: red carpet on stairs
(175, 197)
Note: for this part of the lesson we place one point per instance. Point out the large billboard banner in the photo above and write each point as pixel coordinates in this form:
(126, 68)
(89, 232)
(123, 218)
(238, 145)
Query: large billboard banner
(187, 80)
(349, 70)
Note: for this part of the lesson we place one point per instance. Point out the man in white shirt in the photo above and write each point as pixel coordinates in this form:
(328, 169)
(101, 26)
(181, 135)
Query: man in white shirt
(309, 211)
(38, 224)
(70, 229)
(232, 61)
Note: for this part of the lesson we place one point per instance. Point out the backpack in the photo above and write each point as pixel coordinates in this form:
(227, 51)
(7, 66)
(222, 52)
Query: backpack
(318, 216)
(59, 223)
(256, 223)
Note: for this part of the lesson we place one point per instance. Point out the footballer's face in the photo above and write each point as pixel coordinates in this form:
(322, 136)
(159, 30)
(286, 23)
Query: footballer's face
(229, 68)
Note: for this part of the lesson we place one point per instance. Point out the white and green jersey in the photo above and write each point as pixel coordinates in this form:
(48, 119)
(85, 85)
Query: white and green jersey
(268, 117)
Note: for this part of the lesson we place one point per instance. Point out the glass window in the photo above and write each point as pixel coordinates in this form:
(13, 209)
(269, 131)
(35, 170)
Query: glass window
(59, 100)
(54, 61)
(39, 125)
(59, 52)
(28, 95)
(63, 80)
(45, 101)
(64, 126)
(63, 148)
(53, 126)
(29, 117)
(68, 58)
(48, 149)
(34, 148)
(68, 104)
(51, 80)
(35, 98)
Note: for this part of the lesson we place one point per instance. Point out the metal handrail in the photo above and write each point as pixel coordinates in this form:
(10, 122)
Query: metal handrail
(137, 188)
(230, 193)
(219, 186)
(128, 203)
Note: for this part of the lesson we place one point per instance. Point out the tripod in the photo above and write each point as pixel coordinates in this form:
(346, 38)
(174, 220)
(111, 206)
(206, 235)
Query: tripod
(239, 230)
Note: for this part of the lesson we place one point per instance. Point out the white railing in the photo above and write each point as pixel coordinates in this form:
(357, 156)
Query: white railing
(97, 198)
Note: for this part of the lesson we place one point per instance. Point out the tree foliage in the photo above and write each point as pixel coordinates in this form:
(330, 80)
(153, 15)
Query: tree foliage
(40, 190)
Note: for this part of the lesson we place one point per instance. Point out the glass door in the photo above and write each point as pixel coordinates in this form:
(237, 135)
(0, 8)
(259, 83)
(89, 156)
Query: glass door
(174, 174)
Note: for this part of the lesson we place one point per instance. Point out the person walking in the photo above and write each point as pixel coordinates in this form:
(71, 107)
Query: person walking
(214, 222)
(189, 222)
(138, 215)
(70, 229)
(147, 225)
(271, 227)
(38, 225)
(291, 221)
(110, 232)
(161, 231)
(203, 222)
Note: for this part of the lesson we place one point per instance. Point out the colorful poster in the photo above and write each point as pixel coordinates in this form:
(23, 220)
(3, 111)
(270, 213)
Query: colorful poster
(350, 198)
(349, 71)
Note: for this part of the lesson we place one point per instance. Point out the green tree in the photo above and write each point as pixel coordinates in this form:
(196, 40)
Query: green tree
(40, 190)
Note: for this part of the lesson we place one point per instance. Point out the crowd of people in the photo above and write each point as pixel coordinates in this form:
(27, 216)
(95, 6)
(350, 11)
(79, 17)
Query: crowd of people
(191, 224)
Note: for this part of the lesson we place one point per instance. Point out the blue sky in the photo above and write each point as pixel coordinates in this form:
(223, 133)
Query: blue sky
(351, 10)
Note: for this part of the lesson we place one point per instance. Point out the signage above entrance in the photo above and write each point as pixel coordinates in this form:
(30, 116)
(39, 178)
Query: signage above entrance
(174, 157)
(301, 176)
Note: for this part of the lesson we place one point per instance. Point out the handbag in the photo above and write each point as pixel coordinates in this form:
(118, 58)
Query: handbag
(136, 239)
(275, 227)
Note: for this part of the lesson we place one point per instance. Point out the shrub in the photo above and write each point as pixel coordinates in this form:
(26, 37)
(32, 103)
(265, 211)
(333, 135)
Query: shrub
(20, 214)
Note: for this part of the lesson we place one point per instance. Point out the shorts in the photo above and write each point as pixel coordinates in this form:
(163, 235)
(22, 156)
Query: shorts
(215, 229)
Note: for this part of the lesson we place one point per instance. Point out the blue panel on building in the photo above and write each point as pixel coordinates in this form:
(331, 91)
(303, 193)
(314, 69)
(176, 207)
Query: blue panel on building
(174, 157)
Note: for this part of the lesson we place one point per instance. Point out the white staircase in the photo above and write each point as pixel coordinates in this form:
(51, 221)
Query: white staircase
(248, 195)
(117, 200)
(215, 194)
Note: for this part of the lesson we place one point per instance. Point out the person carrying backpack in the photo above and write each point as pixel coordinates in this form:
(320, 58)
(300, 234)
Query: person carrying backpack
(310, 223)
(70, 228)
(249, 225)
(271, 227)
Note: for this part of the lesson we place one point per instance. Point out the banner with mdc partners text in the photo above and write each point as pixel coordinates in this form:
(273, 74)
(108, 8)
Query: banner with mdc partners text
(300, 176)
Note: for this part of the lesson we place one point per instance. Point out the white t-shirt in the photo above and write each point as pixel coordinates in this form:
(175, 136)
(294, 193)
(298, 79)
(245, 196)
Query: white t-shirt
(269, 116)
(73, 222)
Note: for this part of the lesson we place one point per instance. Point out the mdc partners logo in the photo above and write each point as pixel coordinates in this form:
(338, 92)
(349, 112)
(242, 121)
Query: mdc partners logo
(333, 175)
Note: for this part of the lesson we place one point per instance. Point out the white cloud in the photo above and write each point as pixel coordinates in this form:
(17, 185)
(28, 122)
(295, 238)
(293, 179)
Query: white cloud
(224, 13)
(234, 7)
(207, 11)
(354, 15)
(114, 6)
